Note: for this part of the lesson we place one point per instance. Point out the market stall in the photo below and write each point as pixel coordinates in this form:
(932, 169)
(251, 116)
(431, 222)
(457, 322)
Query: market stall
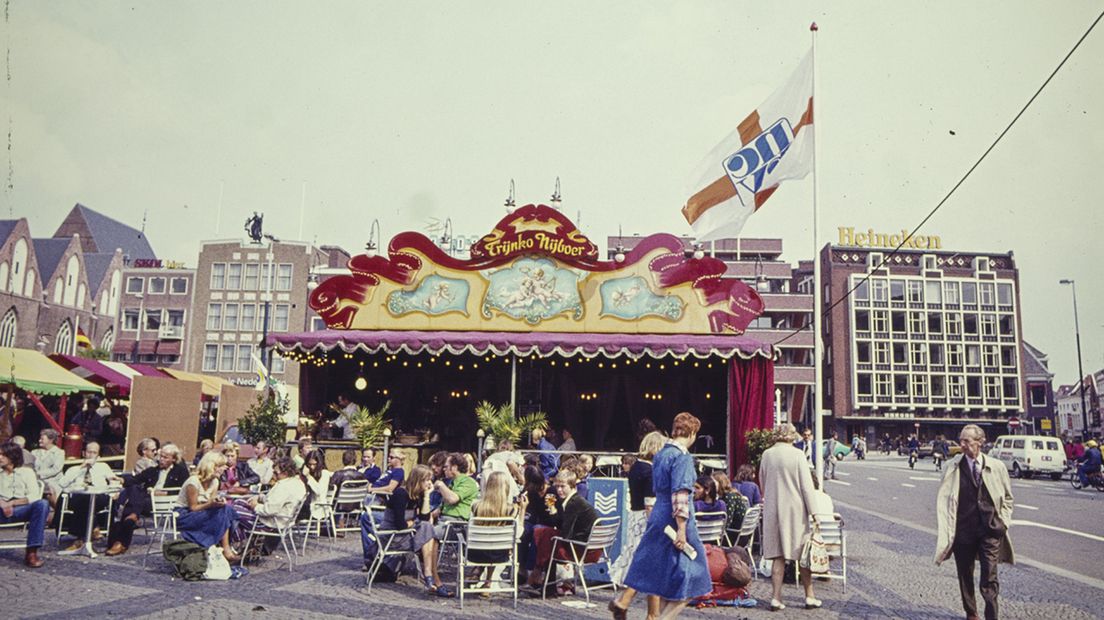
(38, 377)
(535, 318)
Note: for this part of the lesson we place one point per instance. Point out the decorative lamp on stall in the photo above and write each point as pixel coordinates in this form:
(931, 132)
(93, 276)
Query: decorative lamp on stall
(373, 239)
(511, 204)
(619, 252)
(557, 198)
(699, 253)
(361, 382)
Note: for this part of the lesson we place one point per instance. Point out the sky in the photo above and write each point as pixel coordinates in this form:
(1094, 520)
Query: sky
(326, 116)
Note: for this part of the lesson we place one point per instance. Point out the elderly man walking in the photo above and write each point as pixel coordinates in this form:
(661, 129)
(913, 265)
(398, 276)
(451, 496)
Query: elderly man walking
(973, 509)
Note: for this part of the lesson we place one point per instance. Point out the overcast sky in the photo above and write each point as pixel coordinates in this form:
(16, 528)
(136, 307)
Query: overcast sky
(407, 111)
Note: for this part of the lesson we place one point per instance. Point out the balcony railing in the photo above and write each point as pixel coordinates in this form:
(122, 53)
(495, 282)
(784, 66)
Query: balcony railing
(170, 332)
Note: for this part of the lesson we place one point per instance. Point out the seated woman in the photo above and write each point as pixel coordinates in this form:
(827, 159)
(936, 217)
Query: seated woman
(495, 502)
(134, 499)
(745, 484)
(537, 501)
(276, 509)
(49, 460)
(205, 446)
(91, 474)
(318, 481)
(147, 455)
(572, 518)
(706, 500)
(408, 507)
(239, 476)
(736, 505)
(202, 517)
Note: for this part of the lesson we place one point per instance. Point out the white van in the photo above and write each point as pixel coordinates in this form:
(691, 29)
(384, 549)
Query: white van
(1027, 455)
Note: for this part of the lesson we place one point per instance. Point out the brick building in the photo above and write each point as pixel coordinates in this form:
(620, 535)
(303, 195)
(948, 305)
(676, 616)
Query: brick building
(156, 314)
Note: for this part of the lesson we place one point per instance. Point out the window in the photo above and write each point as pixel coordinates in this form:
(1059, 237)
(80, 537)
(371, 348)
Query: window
(918, 353)
(248, 317)
(134, 285)
(969, 292)
(9, 327)
(900, 385)
(954, 324)
(938, 386)
(985, 293)
(970, 324)
(234, 277)
(881, 353)
(916, 322)
(178, 286)
(862, 291)
(862, 320)
(214, 317)
(897, 290)
(153, 319)
(862, 350)
(266, 278)
(934, 292)
(973, 355)
(935, 354)
(1007, 323)
(989, 356)
(919, 386)
(881, 385)
(1010, 390)
(280, 318)
(226, 361)
(956, 383)
(1004, 294)
(130, 319)
(245, 357)
(878, 288)
(954, 355)
(210, 357)
(898, 322)
(899, 356)
(935, 323)
(1052, 445)
(881, 321)
(1017, 444)
(252, 274)
(317, 324)
(283, 278)
(992, 388)
(988, 325)
(864, 385)
(950, 292)
(157, 286)
(915, 292)
(973, 386)
(1008, 357)
(63, 341)
(1038, 395)
(278, 365)
(230, 318)
(218, 276)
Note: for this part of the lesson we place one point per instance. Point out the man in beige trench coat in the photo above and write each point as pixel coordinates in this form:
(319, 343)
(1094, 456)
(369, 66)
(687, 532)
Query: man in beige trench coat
(974, 509)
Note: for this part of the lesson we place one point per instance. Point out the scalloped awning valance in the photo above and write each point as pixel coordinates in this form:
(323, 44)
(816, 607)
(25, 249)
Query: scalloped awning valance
(633, 346)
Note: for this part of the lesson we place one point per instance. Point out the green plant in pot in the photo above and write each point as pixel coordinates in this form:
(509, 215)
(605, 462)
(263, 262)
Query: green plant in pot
(369, 426)
(264, 421)
(758, 440)
(498, 422)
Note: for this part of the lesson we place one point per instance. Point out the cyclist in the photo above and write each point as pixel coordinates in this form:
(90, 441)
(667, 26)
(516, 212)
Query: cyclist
(913, 451)
(940, 452)
(1090, 463)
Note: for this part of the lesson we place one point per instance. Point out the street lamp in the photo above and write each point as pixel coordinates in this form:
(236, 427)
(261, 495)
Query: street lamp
(1080, 368)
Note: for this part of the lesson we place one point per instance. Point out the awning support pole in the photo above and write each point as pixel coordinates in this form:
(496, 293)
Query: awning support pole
(513, 383)
(46, 414)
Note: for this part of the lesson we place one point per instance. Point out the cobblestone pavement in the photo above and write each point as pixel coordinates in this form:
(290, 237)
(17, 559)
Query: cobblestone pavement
(890, 575)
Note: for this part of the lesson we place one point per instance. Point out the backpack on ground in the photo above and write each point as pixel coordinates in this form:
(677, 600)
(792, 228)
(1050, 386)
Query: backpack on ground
(188, 559)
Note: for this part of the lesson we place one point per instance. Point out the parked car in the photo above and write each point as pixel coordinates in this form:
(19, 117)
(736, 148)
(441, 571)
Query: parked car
(245, 450)
(1027, 455)
(927, 449)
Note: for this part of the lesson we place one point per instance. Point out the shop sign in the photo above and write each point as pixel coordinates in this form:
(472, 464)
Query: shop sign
(544, 232)
(870, 239)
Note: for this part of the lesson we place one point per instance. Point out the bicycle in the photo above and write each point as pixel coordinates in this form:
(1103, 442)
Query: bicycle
(938, 458)
(913, 455)
(1096, 480)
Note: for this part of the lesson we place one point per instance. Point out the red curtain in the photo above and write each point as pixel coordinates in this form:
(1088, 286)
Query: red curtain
(750, 403)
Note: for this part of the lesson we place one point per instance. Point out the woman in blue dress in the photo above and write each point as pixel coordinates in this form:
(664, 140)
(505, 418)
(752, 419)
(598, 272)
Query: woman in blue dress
(660, 567)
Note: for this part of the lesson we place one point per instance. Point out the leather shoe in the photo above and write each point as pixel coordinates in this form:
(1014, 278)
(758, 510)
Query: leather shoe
(116, 549)
(619, 613)
(31, 560)
(97, 534)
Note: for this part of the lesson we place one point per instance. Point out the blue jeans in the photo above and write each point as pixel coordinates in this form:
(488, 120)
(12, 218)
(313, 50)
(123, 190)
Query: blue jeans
(1083, 474)
(34, 514)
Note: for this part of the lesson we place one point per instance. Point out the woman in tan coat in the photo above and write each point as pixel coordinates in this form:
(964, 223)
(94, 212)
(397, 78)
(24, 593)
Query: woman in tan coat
(787, 503)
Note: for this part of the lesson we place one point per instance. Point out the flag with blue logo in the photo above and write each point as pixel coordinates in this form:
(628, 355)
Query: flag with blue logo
(773, 144)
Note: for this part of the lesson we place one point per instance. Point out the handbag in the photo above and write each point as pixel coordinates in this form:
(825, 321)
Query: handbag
(814, 554)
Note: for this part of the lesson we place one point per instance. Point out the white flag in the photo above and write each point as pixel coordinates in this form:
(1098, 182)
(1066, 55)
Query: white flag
(773, 144)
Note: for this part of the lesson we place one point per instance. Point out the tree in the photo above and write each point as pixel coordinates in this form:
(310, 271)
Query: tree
(758, 440)
(264, 421)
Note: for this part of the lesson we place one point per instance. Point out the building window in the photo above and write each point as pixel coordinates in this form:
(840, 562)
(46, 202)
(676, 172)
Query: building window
(916, 323)
(134, 285)
(970, 324)
(988, 325)
(954, 355)
(935, 354)
(992, 389)
(900, 386)
(1007, 323)
(938, 386)
(245, 357)
(1010, 391)
(862, 350)
(881, 321)
(985, 293)
(1008, 357)
(897, 290)
(862, 320)
(915, 292)
(157, 286)
(153, 320)
(956, 383)
(178, 286)
(218, 276)
(283, 278)
(234, 277)
(319, 324)
(214, 317)
(1004, 294)
(248, 317)
(920, 386)
(226, 361)
(881, 353)
(278, 365)
(1038, 395)
(252, 272)
(898, 320)
(9, 327)
(935, 323)
(210, 357)
(973, 386)
(954, 324)
(918, 352)
(878, 290)
(973, 355)
(882, 385)
(230, 318)
(899, 356)
(934, 292)
(280, 318)
(130, 319)
(266, 277)
(862, 291)
(864, 385)
(969, 292)
(989, 356)
(63, 341)
(950, 292)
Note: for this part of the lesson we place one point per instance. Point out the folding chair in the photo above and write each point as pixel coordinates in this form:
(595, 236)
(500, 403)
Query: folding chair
(453, 538)
(162, 521)
(63, 503)
(385, 543)
(490, 534)
(285, 532)
(711, 526)
(835, 540)
(350, 493)
(602, 536)
(17, 526)
(746, 536)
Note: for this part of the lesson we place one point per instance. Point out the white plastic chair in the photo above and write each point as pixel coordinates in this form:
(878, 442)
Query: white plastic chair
(746, 536)
(386, 545)
(602, 536)
(285, 532)
(711, 526)
(489, 534)
(162, 521)
(835, 540)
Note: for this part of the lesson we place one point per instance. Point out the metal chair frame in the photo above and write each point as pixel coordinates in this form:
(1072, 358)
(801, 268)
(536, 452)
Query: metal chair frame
(384, 540)
(489, 534)
(603, 535)
(162, 521)
(285, 534)
(748, 529)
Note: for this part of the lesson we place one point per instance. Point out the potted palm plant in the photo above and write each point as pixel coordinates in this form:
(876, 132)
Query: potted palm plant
(498, 422)
(368, 425)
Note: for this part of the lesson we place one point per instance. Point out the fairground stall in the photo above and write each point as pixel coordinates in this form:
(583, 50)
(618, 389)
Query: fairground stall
(534, 317)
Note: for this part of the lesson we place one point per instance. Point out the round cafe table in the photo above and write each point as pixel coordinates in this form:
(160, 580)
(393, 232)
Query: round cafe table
(92, 493)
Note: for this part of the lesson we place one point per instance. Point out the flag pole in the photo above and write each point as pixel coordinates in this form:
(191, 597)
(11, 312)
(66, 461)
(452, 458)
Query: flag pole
(818, 345)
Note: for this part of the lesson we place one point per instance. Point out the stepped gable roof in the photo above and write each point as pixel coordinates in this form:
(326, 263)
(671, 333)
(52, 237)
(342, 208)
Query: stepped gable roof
(108, 234)
(49, 253)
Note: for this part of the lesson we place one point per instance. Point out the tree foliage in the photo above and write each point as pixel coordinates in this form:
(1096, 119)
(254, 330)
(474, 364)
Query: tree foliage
(499, 421)
(758, 440)
(264, 421)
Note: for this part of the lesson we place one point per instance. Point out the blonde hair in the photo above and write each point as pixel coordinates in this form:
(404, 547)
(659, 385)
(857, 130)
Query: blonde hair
(205, 471)
(495, 500)
(653, 442)
(785, 432)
